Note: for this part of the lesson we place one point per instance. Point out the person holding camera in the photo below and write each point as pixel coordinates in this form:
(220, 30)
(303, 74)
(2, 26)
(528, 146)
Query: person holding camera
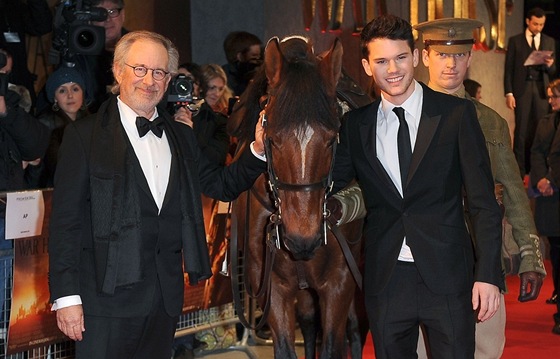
(208, 126)
(96, 68)
(21, 18)
(22, 140)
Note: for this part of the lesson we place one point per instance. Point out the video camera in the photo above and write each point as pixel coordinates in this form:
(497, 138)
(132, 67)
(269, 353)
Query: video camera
(73, 34)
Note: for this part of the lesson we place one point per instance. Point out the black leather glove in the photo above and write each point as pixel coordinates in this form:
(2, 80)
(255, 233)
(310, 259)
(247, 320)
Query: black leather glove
(535, 280)
(335, 211)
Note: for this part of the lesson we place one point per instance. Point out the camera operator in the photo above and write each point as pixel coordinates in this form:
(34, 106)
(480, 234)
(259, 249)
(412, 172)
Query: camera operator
(23, 140)
(20, 18)
(88, 48)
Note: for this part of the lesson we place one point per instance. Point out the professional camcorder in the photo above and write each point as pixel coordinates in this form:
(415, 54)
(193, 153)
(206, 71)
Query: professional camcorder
(73, 33)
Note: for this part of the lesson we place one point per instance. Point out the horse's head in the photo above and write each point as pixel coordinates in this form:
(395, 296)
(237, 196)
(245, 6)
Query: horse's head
(301, 135)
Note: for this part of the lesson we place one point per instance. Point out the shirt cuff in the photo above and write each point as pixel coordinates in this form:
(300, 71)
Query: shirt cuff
(67, 301)
(260, 157)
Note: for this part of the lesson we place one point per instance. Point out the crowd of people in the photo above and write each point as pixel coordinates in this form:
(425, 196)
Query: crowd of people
(104, 134)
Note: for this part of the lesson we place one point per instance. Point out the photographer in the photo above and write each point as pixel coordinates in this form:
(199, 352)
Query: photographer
(21, 18)
(208, 126)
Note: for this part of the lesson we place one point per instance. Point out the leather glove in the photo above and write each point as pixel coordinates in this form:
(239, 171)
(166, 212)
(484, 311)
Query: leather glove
(335, 211)
(535, 280)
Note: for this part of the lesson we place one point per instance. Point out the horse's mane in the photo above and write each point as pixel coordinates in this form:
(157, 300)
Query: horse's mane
(245, 113)
(301, 96)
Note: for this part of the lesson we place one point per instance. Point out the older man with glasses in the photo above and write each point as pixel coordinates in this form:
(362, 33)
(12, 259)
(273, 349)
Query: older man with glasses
(127, 217)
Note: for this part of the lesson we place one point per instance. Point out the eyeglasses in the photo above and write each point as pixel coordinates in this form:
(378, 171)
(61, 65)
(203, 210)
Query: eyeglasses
(141, 71)
(553, 97)
(113, 12)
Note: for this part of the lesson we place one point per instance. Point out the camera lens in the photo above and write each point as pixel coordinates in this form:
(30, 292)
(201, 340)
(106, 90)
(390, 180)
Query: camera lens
(183, 87)
(85, 39)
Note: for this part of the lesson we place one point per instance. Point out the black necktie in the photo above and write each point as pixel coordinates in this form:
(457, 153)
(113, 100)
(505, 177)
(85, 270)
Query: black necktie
(533, 42)
(144, 126)
(403, 143)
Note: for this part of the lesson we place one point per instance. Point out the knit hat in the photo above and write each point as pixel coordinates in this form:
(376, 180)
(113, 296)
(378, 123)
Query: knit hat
(62, 76)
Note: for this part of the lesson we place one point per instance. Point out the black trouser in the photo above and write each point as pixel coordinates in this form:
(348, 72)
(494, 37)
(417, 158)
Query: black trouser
(406, 302)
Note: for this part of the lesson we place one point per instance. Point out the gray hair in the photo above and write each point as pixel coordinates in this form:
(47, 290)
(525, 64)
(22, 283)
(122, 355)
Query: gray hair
(125, 43)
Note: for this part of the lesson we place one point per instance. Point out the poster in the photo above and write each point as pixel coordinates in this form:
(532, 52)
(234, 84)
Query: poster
(32, 324)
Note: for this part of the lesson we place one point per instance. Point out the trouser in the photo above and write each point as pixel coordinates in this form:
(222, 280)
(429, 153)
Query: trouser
(395, 314)
(490, 337)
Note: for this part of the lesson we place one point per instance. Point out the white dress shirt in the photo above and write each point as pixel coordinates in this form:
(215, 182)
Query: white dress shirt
(386, 141)
(529, 37)
(153, 152)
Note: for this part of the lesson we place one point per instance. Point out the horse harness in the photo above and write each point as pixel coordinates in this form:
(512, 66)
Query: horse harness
(273, 238)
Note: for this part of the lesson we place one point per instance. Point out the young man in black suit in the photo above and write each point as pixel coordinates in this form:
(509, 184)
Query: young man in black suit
(127, 217)
(419, 260)
(525, 86)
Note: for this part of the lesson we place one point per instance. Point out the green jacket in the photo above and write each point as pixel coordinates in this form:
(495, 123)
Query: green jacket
(506, 172)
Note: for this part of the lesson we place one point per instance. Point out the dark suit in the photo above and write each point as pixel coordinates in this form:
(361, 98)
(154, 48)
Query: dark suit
(528, 85)
(107, 242)
(449, 155)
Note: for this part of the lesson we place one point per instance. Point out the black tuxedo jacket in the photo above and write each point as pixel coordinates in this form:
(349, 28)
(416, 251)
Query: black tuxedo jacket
(515, 73)
(108, 243)
(449, 155)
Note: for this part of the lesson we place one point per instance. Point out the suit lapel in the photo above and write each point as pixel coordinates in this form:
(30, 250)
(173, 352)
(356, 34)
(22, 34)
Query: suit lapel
(368, 133)
(426, 130)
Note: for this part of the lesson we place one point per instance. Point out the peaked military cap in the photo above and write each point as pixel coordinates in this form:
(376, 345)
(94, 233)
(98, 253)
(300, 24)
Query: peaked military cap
(449, 35)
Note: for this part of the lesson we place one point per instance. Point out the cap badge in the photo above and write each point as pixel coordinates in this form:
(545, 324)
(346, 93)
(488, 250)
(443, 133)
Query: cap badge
(452, 32)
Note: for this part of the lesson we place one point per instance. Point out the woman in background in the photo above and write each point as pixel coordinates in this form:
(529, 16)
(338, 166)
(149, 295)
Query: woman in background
(218, 94)
(65, 91)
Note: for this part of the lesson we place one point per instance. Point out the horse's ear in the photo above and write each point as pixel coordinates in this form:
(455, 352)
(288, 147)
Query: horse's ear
(331, 64)
(273, 61)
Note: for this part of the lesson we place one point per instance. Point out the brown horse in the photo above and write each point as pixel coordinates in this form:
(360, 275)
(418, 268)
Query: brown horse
(283, 217)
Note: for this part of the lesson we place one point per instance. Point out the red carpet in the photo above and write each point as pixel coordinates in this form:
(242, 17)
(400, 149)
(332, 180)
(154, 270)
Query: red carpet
(528, 327)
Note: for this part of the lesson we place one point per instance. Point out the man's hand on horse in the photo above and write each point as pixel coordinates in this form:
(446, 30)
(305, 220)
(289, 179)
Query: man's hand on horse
(532, 279)
(258, 145)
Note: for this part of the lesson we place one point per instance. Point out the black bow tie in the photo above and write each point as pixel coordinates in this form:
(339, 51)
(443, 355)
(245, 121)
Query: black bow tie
(144, 126)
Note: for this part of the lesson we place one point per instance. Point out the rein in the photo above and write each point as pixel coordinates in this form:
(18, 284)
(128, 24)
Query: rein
(276, 185)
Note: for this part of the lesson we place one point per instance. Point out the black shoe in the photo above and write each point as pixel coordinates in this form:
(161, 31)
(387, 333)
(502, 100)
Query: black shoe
(552, 300)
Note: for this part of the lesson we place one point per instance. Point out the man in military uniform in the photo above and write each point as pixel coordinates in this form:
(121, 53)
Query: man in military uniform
(447, 55)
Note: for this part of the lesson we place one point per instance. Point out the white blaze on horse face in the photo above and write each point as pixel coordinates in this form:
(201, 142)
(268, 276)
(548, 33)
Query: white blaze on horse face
(304, 139)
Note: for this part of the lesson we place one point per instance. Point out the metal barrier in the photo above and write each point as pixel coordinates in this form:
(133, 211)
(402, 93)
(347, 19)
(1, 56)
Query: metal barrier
(210, 320)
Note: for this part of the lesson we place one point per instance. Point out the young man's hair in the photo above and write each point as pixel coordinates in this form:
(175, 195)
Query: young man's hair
(386, 26)
(536, 12)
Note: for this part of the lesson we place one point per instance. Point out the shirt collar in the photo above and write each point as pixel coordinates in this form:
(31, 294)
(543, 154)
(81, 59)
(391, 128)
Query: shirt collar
(528, 34)
(412, 105)
(128, 115)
